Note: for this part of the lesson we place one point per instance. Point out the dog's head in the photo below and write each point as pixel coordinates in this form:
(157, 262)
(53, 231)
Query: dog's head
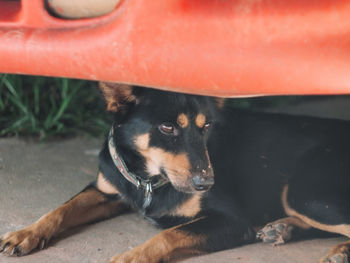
(169, 132)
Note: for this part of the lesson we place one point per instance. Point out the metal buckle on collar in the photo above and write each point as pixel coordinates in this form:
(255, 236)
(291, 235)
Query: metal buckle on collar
(138, 184)
(148, 195)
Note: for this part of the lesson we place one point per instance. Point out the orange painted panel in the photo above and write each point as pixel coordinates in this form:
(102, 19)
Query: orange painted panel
(211, 47)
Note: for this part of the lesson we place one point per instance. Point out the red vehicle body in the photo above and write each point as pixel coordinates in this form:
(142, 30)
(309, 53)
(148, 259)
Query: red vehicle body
(210, 47)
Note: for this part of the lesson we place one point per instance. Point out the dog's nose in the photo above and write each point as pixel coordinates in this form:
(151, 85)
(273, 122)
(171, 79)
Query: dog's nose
(201, 183)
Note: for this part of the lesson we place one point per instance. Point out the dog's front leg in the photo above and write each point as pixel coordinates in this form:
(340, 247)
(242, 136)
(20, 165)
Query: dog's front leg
(89, 205)
(203, 235)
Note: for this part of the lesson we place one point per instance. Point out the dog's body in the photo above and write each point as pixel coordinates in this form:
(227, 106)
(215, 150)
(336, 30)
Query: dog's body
(157, 162)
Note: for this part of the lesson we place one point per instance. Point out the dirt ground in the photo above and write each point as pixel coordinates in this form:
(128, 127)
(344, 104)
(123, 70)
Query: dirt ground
(37, 177)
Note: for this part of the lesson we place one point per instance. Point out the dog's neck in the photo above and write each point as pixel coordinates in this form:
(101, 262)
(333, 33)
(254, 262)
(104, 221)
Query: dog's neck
(146, 185)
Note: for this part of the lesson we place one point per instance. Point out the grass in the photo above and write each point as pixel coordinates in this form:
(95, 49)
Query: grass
(49, 107)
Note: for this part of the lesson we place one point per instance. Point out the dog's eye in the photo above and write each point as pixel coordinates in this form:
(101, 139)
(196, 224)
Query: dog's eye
(167, 128)
(206, 126)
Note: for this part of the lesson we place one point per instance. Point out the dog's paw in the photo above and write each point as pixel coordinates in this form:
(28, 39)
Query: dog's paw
(338, 254)
(336, 258)
(133, 256)
(21, 242)
(276, 233)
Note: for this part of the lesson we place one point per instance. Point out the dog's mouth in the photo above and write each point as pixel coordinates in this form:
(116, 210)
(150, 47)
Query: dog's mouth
(163, 174)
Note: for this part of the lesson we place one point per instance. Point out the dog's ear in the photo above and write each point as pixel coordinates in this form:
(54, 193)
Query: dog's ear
(117, 96)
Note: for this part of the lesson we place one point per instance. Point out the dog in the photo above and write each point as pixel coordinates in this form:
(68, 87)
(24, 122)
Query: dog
(284, 172)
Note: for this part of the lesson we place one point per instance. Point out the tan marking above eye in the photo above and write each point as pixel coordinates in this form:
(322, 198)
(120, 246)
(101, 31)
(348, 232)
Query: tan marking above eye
(200, 120)
(182, 120)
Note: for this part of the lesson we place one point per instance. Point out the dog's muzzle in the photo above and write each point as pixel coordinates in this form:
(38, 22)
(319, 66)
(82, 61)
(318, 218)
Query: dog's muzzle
(202, 183)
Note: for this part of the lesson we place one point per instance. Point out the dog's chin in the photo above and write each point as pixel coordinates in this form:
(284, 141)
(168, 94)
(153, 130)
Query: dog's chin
(188, 189)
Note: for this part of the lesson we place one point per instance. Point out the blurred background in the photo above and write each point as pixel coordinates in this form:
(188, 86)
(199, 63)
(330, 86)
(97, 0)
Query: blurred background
(42, 107)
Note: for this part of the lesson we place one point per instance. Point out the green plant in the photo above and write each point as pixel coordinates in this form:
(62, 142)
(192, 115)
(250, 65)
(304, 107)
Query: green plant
(45, 107)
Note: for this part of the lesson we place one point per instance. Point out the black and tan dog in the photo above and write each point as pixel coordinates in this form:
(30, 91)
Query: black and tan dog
(160, 160)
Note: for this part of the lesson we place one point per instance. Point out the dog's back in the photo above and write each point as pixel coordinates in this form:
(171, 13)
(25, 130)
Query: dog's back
(256, 154)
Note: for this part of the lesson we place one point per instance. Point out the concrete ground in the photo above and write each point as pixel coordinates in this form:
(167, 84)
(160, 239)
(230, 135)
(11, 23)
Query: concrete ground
(37, 177)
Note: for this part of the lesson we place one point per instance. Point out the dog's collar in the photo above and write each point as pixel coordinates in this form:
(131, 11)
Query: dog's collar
(137, 181)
